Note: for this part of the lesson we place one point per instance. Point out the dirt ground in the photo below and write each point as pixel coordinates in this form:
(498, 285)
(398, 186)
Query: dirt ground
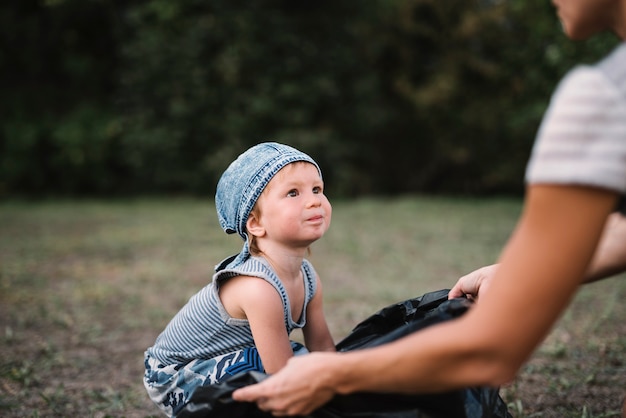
(64, 377)
(85, 289)
(579, 384)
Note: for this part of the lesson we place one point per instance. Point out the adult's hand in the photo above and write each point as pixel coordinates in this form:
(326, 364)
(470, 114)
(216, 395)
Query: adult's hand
(473, 283)
(299, 388)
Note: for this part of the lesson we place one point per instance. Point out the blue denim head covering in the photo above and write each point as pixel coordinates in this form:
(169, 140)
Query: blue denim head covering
(243, 182)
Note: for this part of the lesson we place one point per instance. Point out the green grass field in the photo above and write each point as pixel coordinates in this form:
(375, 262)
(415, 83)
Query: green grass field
(86, 286)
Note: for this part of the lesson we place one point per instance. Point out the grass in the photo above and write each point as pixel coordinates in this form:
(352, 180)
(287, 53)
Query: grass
(86, 286)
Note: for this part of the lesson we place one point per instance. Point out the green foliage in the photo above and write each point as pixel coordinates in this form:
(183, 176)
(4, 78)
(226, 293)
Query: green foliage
(57, 72)
(210, 79)
(105, 97)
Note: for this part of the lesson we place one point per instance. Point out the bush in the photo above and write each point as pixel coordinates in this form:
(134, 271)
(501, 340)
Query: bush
(158, 97)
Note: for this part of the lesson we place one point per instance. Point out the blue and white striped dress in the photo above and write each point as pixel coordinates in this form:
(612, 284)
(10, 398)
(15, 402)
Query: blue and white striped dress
(202, 344)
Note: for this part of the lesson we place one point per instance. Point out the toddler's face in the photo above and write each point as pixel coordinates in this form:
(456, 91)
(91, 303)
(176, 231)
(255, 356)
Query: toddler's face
(293, 208)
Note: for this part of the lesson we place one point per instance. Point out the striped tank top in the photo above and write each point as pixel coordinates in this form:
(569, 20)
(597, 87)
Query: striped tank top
(202, 329)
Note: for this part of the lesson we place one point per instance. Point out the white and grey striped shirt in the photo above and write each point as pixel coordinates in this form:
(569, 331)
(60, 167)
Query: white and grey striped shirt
(202, 329)
(582, 139)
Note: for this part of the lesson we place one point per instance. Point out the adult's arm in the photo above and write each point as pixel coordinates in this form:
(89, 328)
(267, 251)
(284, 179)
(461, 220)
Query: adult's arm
(532, 286)
(609, 259)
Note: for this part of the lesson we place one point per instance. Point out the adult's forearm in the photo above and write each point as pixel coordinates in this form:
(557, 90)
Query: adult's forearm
(435, 359)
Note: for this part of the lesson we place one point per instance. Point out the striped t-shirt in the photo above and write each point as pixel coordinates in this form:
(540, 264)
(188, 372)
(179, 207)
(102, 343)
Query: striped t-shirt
(582, 139)
(202, 329)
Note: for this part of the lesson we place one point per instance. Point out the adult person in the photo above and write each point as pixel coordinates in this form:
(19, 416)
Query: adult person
(574, 178)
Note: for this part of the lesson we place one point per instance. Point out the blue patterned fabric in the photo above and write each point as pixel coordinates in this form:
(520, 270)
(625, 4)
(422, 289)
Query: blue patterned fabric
(249, 359)
(171, 386)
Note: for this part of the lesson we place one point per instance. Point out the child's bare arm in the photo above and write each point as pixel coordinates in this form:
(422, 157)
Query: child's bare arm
(317, 336)
(257, 301)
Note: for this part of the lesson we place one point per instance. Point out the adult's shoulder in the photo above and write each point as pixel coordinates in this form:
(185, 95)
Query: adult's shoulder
(581, 138)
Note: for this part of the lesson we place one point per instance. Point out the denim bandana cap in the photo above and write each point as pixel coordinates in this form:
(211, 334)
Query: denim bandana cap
(241, 185)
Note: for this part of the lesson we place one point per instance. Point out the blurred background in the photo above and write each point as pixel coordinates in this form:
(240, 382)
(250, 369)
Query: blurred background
(156, 97)
(117, 118)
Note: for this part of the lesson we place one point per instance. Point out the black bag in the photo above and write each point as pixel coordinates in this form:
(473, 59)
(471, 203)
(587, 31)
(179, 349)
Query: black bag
(388, 324)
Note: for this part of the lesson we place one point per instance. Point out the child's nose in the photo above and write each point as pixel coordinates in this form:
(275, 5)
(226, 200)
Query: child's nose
(315, 200)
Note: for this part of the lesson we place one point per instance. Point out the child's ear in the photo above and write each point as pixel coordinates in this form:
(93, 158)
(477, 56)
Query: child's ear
(253, 226)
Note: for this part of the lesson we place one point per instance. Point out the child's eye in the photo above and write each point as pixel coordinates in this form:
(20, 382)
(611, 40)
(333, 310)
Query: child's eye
(317, 190)
(292, 193)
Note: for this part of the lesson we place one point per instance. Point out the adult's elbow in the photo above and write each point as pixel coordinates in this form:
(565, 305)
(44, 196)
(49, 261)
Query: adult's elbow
(499, 367)
(493, 361)
(502, 372)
